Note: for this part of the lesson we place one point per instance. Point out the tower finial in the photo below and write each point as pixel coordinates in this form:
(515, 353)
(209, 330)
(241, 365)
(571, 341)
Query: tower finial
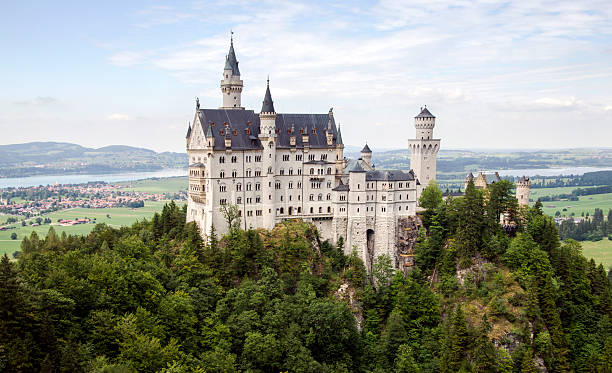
(231, 36)
(268, 80)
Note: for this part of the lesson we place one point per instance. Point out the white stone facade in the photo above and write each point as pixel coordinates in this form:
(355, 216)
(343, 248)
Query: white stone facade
(276, 166)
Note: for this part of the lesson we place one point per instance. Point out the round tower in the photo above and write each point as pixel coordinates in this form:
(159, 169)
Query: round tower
(231, 85)
(522, 191)
(424, 149)
(424, 124)
(267, 136)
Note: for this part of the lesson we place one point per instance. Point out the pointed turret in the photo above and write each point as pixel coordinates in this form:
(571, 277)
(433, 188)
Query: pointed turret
(366, 149)
(267, 116)
(268, 104)
(231, 85)
(231, 63)
(339, 139)
(188, 131)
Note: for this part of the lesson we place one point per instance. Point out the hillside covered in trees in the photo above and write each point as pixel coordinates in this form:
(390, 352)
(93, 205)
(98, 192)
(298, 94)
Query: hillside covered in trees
(155, 298)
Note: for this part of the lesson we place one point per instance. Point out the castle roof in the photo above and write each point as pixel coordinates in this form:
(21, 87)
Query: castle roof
(342, 187)
(268, 104)
(523, 178)
(425, 113)
(339, 137)
(188, 131)
(355, 167)
(391, 175)
(246, 124)
(231, 63)
(366, 149)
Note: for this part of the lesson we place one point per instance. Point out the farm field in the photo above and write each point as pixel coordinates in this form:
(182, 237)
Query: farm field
(584, 204)
(600, 251)
(118, 217)
(536, 193)
(163, 185)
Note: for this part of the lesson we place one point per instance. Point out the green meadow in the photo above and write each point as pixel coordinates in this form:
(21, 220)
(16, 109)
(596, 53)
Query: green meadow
(114, 217)
(600, 251)
(584, 204)
(165, 185)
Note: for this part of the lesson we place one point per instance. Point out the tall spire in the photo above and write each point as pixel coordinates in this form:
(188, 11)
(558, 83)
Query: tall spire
(268, 104)
(339, 139)
(231, 63)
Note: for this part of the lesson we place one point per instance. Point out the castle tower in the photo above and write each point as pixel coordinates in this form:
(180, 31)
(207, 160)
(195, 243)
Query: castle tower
(522, 191)
(366, 157)
(424, 149)
(231, 85)
(267, 136)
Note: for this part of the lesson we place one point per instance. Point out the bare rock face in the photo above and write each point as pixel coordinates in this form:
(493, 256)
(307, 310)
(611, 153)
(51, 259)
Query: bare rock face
(406, 238)
(347, 294)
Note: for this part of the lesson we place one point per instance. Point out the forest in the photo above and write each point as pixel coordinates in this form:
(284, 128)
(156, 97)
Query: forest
(154, 297)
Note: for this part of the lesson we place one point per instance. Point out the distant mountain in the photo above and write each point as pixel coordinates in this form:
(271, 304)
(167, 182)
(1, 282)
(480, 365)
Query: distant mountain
(55, 158)
(461, 161)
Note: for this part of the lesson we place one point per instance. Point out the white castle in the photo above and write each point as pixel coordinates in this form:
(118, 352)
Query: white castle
(275, 167)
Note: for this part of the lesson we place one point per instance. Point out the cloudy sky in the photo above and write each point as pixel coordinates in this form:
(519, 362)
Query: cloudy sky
(497, 74)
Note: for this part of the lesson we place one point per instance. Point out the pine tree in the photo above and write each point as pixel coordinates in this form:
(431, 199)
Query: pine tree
(527, 365)
(456, 342)
(484, 352)
(469, 232)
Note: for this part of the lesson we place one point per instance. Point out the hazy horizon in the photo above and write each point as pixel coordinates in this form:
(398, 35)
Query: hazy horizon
(510, 75)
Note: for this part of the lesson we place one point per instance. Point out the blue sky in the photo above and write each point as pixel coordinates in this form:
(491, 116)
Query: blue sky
(511, 74)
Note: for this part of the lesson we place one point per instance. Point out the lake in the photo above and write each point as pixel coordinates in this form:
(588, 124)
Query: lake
(550, 171)
(79, 179)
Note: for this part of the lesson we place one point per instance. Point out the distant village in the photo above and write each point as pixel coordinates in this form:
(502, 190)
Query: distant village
(30, 202)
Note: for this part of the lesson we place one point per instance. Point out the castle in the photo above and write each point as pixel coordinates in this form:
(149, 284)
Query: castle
(276, 166)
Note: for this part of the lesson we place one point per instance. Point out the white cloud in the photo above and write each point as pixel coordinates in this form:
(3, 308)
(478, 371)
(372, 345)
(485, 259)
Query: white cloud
(127, 58)
(118, 117)
(37, 101)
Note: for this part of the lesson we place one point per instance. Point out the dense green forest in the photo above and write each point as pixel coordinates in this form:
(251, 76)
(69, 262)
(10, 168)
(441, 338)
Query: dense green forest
(155, 298)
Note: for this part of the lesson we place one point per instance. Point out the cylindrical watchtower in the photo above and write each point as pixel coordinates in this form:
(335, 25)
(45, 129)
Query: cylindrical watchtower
(522, 191)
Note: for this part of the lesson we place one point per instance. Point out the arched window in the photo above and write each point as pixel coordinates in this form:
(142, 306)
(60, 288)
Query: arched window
(238, 187)
(320, 197)
(312, 171)
(234, 173)
(222, 174)
(329, 170)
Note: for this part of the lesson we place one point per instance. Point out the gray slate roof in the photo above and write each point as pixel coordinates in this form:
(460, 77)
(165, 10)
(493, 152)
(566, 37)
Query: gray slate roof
(230, 60)
(395, 175)
(366, 149)
(268, 104)
(355, 167)
(425, 113)
(188, 131)
(238, 120)
(342, 187)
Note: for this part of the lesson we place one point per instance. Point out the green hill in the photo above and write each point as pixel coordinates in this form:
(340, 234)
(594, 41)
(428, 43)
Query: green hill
(55, 158)
(155, 298)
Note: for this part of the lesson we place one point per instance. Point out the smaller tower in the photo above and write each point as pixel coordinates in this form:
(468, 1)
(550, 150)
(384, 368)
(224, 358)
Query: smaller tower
(231, 85)
(366, 157)
(424, 149)
(267, 116)
(267, 136)
(522, 191)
